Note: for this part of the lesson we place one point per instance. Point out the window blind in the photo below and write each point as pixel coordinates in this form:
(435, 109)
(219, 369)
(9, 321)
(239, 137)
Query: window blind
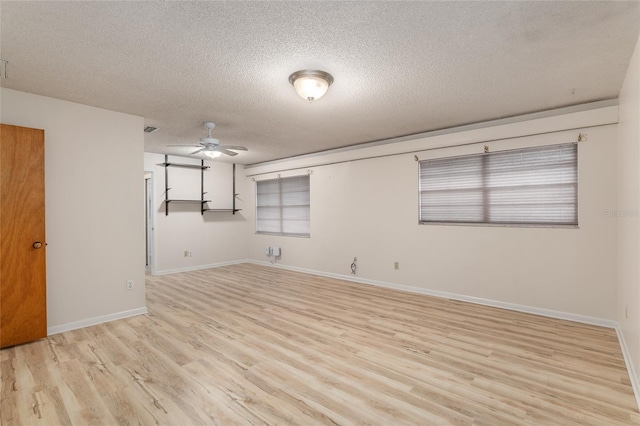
(531, 186)
(283, 206)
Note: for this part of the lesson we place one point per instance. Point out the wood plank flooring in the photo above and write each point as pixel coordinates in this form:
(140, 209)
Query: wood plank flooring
(255, 345)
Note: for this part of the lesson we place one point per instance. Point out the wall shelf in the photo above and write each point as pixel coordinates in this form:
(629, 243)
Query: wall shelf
(188, 166)
(222, 210)
(201, 201)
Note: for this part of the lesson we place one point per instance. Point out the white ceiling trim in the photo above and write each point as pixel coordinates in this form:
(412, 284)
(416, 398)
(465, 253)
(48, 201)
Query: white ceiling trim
(579, 117)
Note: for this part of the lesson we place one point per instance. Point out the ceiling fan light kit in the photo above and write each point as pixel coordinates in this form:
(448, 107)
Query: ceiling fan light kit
(212, 154)
(311, 84)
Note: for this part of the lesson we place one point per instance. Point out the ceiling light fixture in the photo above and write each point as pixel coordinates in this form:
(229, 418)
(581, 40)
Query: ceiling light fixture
(311, 84)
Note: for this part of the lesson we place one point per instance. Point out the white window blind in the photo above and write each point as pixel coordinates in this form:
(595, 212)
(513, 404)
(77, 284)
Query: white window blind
(532, 186)
(283, 206)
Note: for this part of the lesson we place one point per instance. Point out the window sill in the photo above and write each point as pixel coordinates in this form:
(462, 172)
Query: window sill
(502, 225)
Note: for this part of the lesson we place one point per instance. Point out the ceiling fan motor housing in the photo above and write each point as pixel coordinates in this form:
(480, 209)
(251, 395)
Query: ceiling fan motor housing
(209, 141)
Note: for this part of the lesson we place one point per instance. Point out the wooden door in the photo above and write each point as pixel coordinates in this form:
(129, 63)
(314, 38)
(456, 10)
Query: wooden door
(23, 304)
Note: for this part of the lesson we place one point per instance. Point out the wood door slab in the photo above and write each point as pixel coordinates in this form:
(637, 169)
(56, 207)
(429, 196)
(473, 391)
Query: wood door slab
(23, 313)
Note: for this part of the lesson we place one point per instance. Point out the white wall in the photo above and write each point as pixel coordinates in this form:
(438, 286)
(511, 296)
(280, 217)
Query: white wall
(628, 245)
(369, 209)
(94, 213)
(213, 238)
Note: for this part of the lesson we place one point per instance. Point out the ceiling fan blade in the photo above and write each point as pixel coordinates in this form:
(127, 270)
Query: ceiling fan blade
(197, 151)
(197, 146)
(234, 147)
(226, 151)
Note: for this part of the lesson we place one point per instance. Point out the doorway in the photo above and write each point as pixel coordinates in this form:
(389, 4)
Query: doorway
(148, 220)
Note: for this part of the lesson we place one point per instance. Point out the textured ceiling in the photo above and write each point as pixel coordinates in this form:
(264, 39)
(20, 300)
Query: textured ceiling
(399, 67)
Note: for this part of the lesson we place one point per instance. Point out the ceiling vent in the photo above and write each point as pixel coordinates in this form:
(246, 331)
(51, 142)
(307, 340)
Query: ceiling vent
(150, 129)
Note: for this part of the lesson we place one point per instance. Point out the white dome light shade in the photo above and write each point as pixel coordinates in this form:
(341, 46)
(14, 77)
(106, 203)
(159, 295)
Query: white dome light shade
(311, 84)
(212, 154)
(311, 88)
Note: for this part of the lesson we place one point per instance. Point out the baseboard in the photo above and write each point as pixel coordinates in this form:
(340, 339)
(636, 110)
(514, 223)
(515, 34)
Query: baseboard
(629, 363)
(454, 296)
(199, 267)
(95, 320)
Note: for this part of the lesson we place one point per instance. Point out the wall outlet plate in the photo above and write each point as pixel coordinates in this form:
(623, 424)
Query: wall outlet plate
(129, 284)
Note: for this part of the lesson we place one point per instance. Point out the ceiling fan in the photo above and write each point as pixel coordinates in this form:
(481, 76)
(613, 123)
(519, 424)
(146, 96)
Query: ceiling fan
(211, 147)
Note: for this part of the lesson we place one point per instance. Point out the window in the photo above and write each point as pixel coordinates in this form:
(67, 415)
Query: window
(532, 186)
(283, 206)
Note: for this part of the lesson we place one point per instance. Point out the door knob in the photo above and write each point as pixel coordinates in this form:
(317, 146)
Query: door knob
(37, 245)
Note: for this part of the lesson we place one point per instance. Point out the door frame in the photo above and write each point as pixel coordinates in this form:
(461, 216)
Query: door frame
(150, 221)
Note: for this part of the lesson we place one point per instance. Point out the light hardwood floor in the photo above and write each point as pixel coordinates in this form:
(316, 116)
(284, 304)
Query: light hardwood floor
(248, 344)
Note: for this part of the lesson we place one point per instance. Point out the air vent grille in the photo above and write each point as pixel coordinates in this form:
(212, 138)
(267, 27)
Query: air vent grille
(150, 129)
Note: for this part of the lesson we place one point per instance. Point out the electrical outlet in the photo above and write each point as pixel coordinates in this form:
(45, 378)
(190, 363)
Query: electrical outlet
(186, 253)
(396, 265)
(129, 284)
(189, 254)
